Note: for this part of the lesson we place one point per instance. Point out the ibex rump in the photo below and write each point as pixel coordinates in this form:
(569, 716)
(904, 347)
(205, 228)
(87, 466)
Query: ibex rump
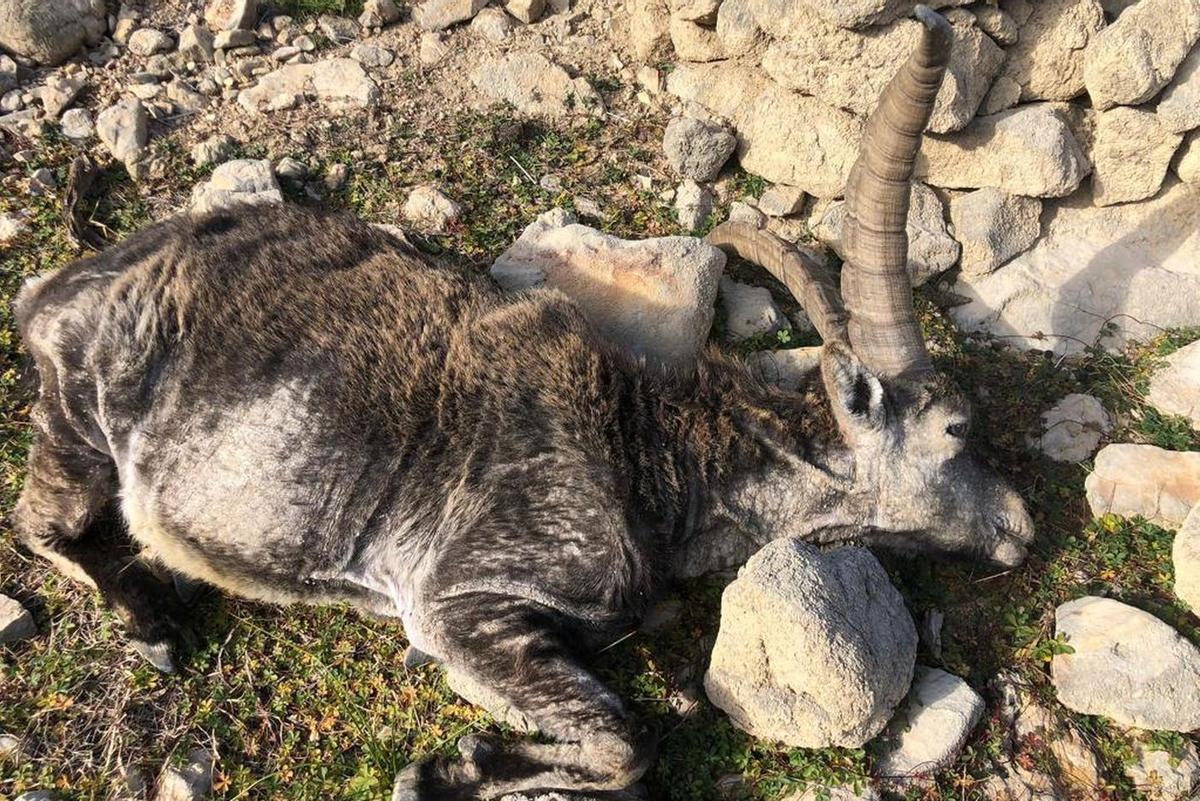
(296, 407)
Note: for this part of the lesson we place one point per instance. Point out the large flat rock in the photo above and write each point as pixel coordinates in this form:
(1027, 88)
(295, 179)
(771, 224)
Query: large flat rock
(1144, 481)
(1134, 266)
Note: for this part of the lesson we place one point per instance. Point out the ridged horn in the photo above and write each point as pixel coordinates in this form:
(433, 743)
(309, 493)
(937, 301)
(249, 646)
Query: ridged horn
(883, 326)
(812, 284)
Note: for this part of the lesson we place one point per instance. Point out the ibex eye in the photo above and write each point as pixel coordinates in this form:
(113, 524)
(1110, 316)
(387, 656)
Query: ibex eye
(958, 430)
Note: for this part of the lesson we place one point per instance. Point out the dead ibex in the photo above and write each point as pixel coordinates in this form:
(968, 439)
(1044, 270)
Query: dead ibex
(296, 407)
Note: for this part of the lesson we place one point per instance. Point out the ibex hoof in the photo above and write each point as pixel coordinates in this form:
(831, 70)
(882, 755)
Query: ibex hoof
(161, 655)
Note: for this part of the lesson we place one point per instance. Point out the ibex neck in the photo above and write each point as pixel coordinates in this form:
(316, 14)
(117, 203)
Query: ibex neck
(763, 464)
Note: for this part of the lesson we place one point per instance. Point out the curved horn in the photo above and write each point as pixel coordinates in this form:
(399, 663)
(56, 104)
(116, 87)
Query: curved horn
(812, 284)
(883, 327)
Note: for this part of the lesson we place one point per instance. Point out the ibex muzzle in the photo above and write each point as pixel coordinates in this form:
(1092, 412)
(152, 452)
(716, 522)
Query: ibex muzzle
(297, 407)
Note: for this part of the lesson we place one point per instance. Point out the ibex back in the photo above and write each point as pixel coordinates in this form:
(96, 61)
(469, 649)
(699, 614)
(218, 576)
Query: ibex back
(298, 408)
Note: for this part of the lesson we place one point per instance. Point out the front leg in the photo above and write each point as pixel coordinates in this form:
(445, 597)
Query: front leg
(514, 647)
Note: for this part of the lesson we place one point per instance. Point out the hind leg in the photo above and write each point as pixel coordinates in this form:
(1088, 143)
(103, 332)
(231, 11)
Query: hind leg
(66, 514)
(514, 648)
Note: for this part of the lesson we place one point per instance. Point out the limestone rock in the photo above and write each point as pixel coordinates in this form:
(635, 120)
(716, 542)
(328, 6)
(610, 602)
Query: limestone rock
(1161, 776)
(534, 86)
(693, 204)
(654, 296)
(786, 369)
(737, 30)
(338, 29)
(15, 621)
(58, 92)
(526, 10)
(1187, 160)
(1175, 387)
(1047, 59)
(338, 84)
(191, 782)
(1028, 150)
(649, 29)
(228, 40)
(13, 225)
(123, 130)
(436, 15)
(1004, 94)
(1132, 480)
(1131, 60)
(77, 124)
(378, 13)
(749, 310)
(1178, 108)
(993, 226)
(1127, 665)
(996, 23)
(813, 649)
(844, 13)
(693, 42)
(433, 48)
(782, 201)
(1016, 783)
(1091, 266)
(229, 15)
(697, 149)
(196, 43)
(370, 55)
(931, 249)
(213, 150)
(931, 727)
(493, 24)
(431, 209)
(849, 69)
(238, 181)
(1185, 556)
(50, 31)
(148, 41)
(1130, 156)
(1073, 427)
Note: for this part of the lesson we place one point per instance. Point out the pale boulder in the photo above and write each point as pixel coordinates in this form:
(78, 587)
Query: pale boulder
(15, 621)
(122, 128)
(1073, 428)
(1027, 150)
(783, 136)
(931, 249)
(649, 29)
(1135, 265)
(749, 310)
(695, 42)
(814, 649)
(191, 782)
(737, 29)
(849, 69)
(1130, 155)
(535, 86)
(231, 15)
(1047, 60)
(693, 204)
(697, 149)
(780, 14)
(50, 31)
(782, 201)
(235, 182)
(1163, 776)
(1131, 60)
(1127, 666)
(1185, 557)
(339, 84)
(930, 729)
(1175, 387)
(993, 226)
(436, 15)
(431, 209)
(1144, 480)
(787, 369)
(1178, 107)
(654, 296)
(1187, 160)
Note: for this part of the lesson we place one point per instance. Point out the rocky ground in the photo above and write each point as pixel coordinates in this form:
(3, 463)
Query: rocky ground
(462, 124)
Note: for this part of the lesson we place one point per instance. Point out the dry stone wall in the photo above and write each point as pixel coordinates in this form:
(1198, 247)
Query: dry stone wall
(1064, 140)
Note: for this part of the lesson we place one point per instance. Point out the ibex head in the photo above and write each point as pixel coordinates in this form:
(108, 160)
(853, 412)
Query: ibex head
(906, 426)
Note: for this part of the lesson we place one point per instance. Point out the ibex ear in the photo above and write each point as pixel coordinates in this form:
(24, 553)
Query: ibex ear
(854, 391)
